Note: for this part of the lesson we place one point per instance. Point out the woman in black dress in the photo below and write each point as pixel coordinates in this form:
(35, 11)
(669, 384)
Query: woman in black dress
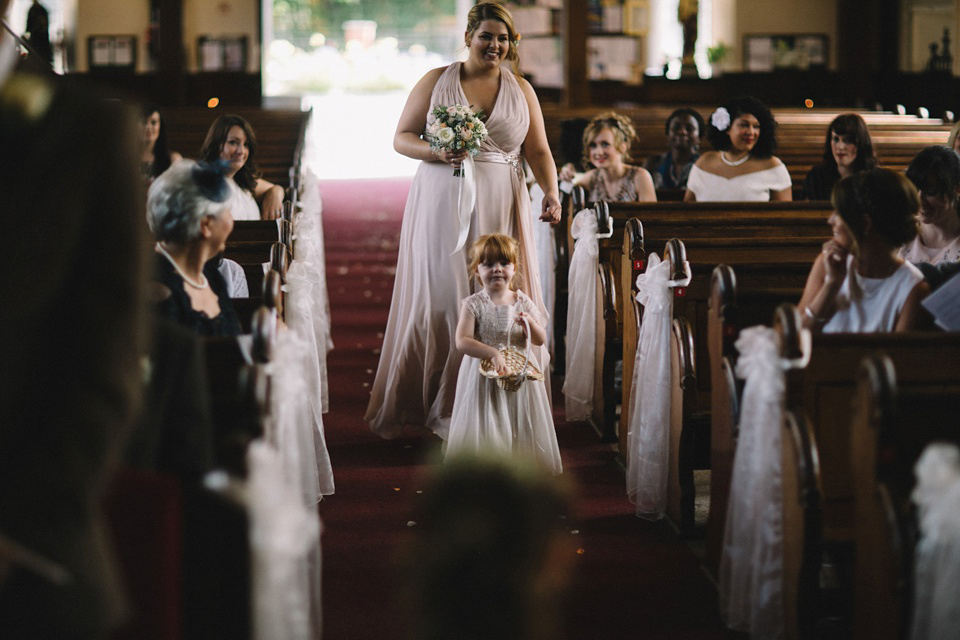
(847, 150)
(189, 211)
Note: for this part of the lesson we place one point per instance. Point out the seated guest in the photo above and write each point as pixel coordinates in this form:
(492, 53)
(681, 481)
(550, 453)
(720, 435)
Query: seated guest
(670, 170)
(743, 167)
(848, 149)
(232, 140)
(859, 283)
(189, 210)
(935, 171)
(606, 147)
(952, 140)
(155, 157)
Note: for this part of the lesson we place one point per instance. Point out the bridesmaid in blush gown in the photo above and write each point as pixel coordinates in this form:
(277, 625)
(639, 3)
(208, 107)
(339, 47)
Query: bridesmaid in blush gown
(417, 375)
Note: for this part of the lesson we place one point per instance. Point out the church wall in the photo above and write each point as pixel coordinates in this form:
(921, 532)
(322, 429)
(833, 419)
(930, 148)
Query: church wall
(109, 17)
(733, 19)
(223, 18)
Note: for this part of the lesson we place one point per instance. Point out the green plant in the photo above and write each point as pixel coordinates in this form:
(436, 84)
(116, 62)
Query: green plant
(717, 52)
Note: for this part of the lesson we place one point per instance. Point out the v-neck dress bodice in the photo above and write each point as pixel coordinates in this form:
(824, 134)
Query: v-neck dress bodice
(416, 379)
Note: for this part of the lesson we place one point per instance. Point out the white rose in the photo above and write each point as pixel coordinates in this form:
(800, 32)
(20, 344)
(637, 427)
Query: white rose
(445, 136)
(466, 135)
(720, 119)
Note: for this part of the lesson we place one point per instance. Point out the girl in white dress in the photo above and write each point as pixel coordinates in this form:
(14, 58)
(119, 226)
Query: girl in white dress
(485, 416)
(743, 167)
(858, 283)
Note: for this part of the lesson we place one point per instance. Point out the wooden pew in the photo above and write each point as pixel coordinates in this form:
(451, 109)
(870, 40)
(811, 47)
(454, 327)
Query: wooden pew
(772, 245)
(818, 491)
(891, 427)
(733, 305)
(239, 392)
(801, 134)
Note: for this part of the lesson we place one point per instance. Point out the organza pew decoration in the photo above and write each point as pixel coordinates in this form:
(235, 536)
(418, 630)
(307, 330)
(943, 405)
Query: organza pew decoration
(581, 347)
(543, 236)
(936, 605)
(296, 430)
(648, 436)
(751, 563)
(285, 551)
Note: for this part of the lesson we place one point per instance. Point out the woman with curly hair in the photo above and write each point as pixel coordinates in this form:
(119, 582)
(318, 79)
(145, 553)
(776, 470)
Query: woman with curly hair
(847, 150)
(606, 147)
(231, 140)
(743, 167)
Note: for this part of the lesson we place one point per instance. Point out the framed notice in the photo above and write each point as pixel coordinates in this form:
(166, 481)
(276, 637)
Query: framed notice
(636, 17)
(785, 51)
(112, 52)
(225, 53)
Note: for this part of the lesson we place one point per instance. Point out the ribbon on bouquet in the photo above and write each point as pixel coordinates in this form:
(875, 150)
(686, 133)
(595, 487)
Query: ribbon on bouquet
(466, 199)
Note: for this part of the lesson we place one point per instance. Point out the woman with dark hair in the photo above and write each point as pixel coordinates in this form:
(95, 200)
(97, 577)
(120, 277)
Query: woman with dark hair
(417, 374)
(606, 148)
(859, 283)
(155, 157)
(232, 140)
(847, 150)
(935, 171)
(670, 170)
(743, 167)
(189, 209)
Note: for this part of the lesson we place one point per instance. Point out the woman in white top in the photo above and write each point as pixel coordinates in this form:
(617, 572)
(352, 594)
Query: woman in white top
(935, 171)
(231, 140)
(743, 167)
(859, 283)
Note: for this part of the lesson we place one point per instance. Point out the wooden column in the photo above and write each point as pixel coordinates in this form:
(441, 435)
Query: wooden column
(576, 91)
(171, 61)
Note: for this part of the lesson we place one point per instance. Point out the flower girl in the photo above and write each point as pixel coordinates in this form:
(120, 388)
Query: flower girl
(489, 413)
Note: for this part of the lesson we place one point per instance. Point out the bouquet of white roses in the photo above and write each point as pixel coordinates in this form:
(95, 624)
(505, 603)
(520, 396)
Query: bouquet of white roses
(455, 127)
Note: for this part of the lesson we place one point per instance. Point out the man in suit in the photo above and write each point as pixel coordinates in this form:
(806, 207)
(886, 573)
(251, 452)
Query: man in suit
(72, 241)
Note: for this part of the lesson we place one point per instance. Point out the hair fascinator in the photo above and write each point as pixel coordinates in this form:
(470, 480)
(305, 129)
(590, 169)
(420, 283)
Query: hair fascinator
(720, 119)
(210, 178)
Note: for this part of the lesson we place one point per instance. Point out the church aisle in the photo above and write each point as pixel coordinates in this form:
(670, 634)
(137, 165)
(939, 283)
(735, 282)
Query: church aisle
(633, 578)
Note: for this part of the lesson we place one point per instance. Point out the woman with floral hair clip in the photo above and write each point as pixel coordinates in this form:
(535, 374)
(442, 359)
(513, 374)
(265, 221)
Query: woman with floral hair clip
(743, 167)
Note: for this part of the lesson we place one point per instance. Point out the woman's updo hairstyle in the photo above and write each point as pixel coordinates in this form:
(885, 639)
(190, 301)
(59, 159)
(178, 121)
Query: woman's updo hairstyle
(620, 126)
(496, 247)
(182, 196)
(886, 197)
(493, 11)
(937, 167)
(719, 138)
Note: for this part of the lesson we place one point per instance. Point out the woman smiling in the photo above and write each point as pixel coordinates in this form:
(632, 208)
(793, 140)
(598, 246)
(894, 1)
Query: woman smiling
(743, 167)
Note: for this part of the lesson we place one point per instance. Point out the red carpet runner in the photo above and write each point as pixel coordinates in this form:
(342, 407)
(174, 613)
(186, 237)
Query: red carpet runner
(633, 578)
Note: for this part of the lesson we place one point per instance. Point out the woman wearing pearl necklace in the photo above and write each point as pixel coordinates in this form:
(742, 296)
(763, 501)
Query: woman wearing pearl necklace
(743, 167)
(189, 212)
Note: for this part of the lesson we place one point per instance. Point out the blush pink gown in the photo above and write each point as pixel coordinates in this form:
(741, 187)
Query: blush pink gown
(417, 376)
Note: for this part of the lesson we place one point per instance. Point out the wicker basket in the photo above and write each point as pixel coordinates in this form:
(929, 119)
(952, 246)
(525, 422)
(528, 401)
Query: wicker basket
(519, 367)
